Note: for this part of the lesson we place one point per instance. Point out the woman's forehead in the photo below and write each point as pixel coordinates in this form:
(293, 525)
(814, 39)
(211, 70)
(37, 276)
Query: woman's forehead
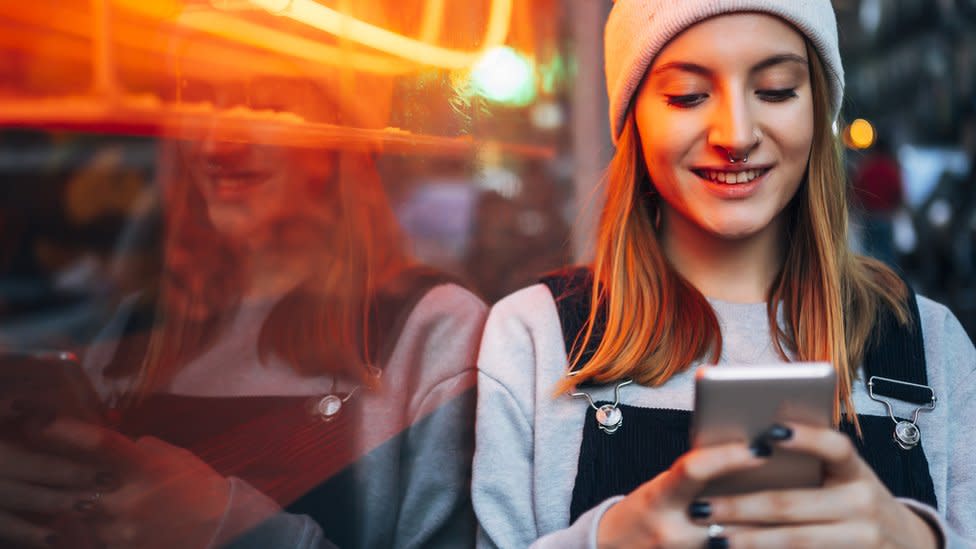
(740, 39)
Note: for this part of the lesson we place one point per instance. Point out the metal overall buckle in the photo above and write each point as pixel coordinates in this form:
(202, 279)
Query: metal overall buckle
(609, 418)
(907, 434)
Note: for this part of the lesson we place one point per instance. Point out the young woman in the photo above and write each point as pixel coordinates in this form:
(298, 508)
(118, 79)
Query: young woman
(296, 361)
(722, 240)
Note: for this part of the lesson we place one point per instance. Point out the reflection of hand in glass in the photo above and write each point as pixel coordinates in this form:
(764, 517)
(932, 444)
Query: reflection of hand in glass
(40, 490)
(164, 496)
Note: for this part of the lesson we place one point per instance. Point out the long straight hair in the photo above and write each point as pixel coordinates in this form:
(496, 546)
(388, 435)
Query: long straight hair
(321, 327)
(658, 324)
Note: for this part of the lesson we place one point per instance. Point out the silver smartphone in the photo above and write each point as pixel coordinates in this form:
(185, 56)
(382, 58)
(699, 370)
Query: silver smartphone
(738, 403)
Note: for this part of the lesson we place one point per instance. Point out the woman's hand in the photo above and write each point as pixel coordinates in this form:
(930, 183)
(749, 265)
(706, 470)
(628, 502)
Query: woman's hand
(657, 514)
(852, 509)
(41, 493)
(167, 497)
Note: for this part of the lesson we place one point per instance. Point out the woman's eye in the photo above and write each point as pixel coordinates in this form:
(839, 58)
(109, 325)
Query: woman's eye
(686, 101)
(777, 96)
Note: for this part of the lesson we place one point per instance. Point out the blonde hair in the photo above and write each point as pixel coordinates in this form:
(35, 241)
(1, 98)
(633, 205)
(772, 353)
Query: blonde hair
(658, 324)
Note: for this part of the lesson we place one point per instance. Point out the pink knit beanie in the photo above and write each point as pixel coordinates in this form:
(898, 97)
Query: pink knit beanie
(637, 30)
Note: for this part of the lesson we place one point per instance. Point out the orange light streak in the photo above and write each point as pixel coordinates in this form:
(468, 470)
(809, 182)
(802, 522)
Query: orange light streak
(433, 18)
(354, 30)
(147, 115)
(259, 36)
(308, 12)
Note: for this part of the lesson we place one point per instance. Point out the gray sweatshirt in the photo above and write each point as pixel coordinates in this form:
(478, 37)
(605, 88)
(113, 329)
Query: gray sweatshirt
(528, 441)
(414, 472)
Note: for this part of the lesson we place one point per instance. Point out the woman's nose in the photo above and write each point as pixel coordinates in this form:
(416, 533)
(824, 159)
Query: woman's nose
(220, 142)
(734, 132)
(224, 136)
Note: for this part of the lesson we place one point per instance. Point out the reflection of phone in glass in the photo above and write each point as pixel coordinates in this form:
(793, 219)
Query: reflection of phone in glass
(51, 381)
(739, 403)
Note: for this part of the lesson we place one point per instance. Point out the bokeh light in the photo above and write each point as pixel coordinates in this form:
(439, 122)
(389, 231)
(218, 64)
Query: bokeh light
(860, 134)
(503, 75)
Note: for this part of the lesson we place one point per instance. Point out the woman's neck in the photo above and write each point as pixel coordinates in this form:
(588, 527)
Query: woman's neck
(271, 276)
(735, 270)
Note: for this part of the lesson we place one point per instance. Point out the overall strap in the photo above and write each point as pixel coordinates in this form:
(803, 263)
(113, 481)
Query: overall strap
(571, 290)
(895, 369)
(896, 351)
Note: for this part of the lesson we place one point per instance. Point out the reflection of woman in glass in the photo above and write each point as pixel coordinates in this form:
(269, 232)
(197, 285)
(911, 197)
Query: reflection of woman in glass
(723, 240)
(298, 361)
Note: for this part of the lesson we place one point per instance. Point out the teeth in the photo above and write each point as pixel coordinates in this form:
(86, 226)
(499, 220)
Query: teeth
(730, 178)
(235, 182)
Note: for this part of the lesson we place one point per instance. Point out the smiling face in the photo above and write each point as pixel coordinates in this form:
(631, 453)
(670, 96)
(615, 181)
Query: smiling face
(249, 185)
(725, 118)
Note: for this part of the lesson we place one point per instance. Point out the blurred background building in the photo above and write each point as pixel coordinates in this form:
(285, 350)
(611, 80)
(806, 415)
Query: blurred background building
(911, 103)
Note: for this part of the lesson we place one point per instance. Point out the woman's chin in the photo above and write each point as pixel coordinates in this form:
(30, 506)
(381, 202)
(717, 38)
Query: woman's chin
(736, 230)
(234, 227)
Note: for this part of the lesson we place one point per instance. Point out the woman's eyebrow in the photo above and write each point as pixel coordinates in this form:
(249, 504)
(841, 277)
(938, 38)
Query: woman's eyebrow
(779, 59)
(683, 67)
(695, 68)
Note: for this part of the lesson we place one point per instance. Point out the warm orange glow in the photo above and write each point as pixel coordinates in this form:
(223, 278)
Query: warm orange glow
(113, 66)
(146, 115)
(63, 53)
(430, 27)
(354, 30)
(157, 9)
(247, 33)
(421, 52)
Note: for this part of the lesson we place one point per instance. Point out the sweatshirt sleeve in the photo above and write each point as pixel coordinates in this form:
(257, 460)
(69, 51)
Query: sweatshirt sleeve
(253, 520)
(504, 461)
(955, 354)
(960, 507)
(435, 509)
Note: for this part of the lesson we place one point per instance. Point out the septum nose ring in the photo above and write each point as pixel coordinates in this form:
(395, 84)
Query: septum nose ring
(735, 160)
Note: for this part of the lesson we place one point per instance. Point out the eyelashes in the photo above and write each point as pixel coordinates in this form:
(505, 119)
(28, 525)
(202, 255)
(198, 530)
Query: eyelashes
(690, 100)
(686, 101)
(777, 96)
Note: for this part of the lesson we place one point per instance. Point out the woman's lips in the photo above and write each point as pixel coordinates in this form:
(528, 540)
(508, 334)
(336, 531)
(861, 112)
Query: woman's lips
(235, 185)
(732, 184)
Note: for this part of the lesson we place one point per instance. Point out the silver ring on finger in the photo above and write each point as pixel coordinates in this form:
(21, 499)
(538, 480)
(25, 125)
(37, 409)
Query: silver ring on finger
(716, 537)
(94, 498)
(88, 503)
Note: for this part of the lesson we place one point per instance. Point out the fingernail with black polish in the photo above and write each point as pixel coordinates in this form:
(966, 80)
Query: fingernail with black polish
(720, 542)
(761, 448)
(105, 479)
(700, 509)
(778, 433)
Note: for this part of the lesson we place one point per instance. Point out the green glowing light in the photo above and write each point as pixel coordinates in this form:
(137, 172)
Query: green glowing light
(505, 76)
